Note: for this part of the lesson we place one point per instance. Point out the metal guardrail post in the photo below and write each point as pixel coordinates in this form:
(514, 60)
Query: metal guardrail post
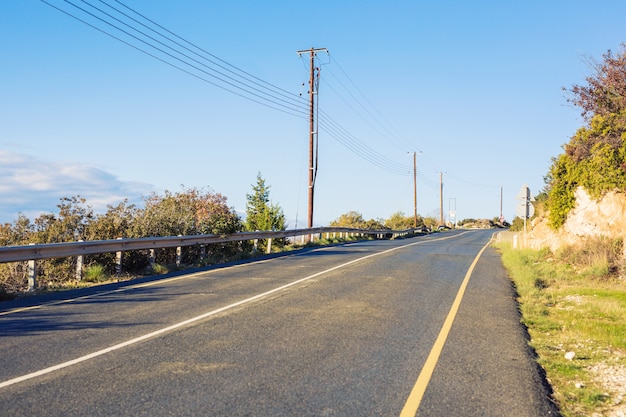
(79, 267)
(269, 246)
(32, 274)
(151, 259)
(118, 261)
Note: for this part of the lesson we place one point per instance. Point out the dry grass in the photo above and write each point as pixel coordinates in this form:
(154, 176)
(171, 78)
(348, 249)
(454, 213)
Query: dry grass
(574, 301)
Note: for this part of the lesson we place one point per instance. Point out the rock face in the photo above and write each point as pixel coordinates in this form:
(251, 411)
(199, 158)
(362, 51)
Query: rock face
(589, 218)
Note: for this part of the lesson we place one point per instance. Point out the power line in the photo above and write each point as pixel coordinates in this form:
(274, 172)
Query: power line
(374, 114)
(355, 145)
(173, 50)
(246, 75)
(244, 89)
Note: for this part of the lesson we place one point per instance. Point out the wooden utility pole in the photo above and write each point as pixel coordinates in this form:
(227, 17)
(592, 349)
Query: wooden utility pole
(414, 189)
(312, 132)
(441, 223)
(501, 215)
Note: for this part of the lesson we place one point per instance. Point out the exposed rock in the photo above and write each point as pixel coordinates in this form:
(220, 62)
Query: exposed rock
(589, 218)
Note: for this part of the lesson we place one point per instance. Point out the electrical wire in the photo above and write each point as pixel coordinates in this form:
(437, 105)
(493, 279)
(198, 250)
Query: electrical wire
(374, 114)
(173, 50)
(249, 77)
(348, 140)
(244, 90)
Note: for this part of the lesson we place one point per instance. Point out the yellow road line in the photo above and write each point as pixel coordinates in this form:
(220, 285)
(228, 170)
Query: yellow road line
(417, 393)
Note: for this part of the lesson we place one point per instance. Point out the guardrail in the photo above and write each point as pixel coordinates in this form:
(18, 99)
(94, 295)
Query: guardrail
(32, 253)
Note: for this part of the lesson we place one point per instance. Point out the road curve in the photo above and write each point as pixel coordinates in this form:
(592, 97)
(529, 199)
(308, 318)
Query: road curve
(377, 328)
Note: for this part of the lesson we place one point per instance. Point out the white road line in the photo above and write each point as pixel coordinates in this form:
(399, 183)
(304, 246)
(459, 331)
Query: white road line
(197, 318)
(130, 287)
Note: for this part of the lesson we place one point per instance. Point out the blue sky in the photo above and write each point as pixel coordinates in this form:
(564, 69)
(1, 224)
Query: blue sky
(475, 88)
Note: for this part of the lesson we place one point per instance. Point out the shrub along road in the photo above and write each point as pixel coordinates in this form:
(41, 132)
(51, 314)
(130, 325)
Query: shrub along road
(369, 328)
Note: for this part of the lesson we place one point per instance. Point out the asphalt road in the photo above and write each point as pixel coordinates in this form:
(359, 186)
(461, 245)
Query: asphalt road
(378, 328)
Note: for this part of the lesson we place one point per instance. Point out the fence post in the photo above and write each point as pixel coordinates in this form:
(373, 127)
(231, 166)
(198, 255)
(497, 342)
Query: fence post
(179, 254)
(151, 259)
(118, 261)
(79, 266)
(32, 274)
(202, 252)
(269, 246)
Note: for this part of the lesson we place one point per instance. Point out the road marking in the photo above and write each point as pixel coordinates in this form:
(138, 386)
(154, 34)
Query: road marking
(128, 288)
(197, 318)
(417, 393)
(156, 282)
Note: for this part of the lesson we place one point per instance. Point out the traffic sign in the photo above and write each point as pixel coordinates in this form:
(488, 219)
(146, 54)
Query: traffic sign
(524, 194)
(525, 210)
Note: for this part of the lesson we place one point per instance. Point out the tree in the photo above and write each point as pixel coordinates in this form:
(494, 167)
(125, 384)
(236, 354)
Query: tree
(352, 219)
(260, 213)
(355, 220)
(71, 224)
(595, 157)
(399, 221)
(605, 91)
(190, 212)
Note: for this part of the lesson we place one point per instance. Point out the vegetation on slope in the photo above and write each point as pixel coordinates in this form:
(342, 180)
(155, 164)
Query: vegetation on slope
(595, 157)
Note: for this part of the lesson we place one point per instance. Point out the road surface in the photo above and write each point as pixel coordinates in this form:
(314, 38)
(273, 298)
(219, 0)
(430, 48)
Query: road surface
(424, 326)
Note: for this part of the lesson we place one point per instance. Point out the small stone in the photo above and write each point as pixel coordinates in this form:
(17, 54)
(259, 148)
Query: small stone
(570, 355)
(579, 385)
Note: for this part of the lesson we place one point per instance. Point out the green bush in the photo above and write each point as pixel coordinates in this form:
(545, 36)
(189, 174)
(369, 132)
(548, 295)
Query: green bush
(95, 273)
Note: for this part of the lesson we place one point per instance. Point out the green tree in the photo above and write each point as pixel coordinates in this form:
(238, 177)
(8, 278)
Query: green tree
(190, 212)
(69, 225)
(595, 157)
(13, 276)
(352, 219)
(399, 221)
(355, 220)
(260, 213)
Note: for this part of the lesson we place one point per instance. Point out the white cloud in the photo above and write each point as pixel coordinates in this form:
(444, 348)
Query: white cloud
(31, 187)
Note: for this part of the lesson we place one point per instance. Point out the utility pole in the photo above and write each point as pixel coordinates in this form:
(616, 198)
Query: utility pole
(441, 223)
(501, 215)
(312, 132)
(414, 189)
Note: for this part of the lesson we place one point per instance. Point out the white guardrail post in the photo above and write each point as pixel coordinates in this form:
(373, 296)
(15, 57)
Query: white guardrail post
(179, 254)
(79, 267)
(152, 259)
(268, 250)
(118, 261)
(32, 273)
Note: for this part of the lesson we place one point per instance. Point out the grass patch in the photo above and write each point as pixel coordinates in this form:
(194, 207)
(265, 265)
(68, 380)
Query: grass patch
(95, 273)
(159, 269)
(575, 301)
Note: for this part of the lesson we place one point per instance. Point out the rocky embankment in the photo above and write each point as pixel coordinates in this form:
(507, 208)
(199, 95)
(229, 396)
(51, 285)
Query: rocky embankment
(605, 217)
